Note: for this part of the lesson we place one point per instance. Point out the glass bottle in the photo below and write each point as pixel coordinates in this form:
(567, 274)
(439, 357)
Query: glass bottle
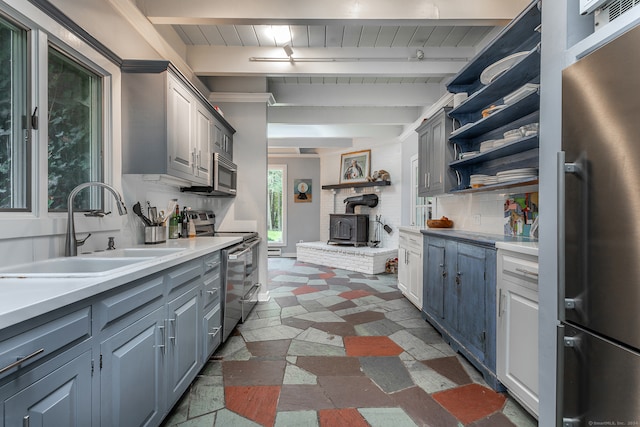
(174, 224)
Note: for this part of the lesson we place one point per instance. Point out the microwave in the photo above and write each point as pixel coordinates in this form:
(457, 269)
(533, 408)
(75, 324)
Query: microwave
(224, 178)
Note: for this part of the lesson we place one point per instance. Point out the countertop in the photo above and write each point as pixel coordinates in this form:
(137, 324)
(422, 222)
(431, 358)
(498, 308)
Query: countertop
(484, 239)
(526, 248)
(26, 298)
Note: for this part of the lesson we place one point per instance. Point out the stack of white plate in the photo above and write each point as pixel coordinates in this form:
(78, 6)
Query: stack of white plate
(486, 145)
(468, 154)
(477, 180)
(520, 93)
(491, 180)
(517, 174)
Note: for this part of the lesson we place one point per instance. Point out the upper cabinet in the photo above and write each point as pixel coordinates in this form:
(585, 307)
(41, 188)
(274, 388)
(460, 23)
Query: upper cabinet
(434, 155)
(496, 126)
(168, 127)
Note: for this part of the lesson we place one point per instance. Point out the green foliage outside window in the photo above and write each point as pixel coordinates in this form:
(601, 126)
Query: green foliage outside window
(74, 148)
(275, 200)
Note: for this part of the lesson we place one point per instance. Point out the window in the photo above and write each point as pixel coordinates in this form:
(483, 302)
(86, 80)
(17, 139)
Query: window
(75, 132)
(277, 206)
(420, 206)
(14, 147)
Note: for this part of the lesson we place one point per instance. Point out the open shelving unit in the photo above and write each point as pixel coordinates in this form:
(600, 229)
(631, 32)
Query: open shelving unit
(356, 185)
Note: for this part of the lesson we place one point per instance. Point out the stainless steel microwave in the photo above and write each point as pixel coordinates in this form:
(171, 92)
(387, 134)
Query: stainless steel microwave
(224, 178)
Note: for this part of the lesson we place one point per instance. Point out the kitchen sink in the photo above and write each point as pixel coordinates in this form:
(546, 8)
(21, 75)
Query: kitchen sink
(139, 252)
(72, 267)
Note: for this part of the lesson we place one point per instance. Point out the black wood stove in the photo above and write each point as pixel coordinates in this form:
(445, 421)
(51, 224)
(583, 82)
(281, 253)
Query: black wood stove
(351, 228)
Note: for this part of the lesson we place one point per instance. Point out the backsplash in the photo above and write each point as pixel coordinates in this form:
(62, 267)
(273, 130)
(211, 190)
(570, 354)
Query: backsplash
(482, 212)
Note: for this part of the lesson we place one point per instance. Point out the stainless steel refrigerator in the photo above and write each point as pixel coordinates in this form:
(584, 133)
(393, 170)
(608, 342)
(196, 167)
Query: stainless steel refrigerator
(599, 198)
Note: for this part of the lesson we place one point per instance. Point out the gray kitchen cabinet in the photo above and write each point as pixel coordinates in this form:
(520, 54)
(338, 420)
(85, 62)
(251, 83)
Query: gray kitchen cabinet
(434, 155)
(168, 127)
(459, 298)
(224, 142)
(517, 327)
(183, 343)
(57, 393)
(132, 380)
(121, 358)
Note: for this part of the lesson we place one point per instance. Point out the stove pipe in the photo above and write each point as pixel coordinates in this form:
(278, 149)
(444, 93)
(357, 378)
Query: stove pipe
(370, 200)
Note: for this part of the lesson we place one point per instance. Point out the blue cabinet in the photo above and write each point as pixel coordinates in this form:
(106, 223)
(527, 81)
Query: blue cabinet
(434, 155)
(475, 126)
(460, 293)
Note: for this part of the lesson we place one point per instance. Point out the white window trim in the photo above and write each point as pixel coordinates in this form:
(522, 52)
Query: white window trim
(414, 193)
(285, 199)
(41, 222)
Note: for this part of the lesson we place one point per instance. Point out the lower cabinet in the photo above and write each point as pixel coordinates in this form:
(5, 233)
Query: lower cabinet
(57, 393)
(121, 359)
(459, 298)
(410, 266)
(132, 380)
(517, 336)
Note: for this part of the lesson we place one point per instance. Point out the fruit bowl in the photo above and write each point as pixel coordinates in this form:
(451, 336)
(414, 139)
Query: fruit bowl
(443, 222)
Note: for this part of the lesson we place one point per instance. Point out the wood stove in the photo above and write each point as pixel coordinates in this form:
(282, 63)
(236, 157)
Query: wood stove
(351, 228)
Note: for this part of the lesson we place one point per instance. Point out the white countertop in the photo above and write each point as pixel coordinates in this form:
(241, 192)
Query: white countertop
(25, 298)
(415, 229)
(526, 248)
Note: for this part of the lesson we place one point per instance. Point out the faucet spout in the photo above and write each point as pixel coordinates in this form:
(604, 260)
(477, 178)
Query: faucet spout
(72, 243)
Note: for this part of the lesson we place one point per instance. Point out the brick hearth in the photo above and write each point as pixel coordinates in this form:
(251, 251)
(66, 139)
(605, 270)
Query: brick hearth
(360, 259)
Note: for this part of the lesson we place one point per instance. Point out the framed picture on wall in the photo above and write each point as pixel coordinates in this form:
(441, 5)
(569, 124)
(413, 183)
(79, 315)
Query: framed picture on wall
(355, 166)
(302, 191)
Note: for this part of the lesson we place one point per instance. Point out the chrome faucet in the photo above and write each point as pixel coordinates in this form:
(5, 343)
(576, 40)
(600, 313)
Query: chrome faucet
(71, 244)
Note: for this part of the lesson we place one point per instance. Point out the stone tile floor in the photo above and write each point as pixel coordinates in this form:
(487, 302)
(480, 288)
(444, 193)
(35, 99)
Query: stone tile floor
(336, 348)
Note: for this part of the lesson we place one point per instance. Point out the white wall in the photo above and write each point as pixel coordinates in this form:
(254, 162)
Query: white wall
(385, 155)
(303, 219)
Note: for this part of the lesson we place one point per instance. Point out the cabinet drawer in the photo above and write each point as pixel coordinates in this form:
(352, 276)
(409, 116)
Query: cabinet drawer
(184, 273)
(212, 262)
(212, 288)
(123, 303)
(212, 327)
(521, 271)
(411, 241)
(43, 340)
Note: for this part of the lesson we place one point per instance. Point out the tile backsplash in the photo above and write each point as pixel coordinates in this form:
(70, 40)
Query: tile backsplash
(484, 212)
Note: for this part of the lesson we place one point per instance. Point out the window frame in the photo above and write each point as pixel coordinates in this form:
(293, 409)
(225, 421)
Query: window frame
(43, 30)
(419, 211)
(285, 198)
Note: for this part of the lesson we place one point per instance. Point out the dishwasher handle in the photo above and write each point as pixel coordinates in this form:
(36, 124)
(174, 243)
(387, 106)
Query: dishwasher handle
(234, 256)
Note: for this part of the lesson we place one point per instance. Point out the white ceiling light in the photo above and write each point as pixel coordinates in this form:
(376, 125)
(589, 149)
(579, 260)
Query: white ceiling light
(281, 34)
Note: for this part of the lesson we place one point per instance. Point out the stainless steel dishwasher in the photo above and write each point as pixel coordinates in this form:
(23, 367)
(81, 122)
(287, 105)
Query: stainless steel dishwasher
(241, 286)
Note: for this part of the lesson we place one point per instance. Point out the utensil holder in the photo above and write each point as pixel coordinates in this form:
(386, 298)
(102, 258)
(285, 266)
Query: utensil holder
(155, 234)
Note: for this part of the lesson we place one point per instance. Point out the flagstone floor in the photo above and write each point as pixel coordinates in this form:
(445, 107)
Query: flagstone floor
(336, 348)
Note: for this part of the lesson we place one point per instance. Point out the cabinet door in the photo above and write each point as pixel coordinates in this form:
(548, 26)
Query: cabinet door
(403, 270)
(435, 277)
(183, 330)
(424, 142)
(131, 380)
(435, 176)
(61, 398)
(179, 129)
(414, 289)
(203, 144)
(470, 288)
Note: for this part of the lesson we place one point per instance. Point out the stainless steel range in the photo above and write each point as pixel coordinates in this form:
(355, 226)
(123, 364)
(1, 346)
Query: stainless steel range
(239, 267)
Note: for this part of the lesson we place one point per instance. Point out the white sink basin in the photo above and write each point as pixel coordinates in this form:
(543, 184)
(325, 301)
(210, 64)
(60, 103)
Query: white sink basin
(139, 252)
(72, 267)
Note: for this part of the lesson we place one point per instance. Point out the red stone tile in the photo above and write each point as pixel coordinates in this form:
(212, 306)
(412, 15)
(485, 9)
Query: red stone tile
(326, 275)
(306, 289)
(358, 293)
(471, 402)
(371, 346)
(255, 403)
(348, 417)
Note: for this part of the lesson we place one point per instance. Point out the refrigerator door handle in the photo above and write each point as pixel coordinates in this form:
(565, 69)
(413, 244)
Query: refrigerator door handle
(561, 235)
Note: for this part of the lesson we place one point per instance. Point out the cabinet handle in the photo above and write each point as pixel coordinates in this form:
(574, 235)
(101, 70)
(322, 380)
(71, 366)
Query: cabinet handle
(172, 338)
(215, 331)
(25, 421)
(163, 345)
(428, 179)
(199, 158)
(526, 272)
(500, 297)
(21, 360)
(193, 160)
(213, 292)
(425, 180)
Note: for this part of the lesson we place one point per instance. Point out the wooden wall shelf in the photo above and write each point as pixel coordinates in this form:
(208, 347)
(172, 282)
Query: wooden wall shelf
(356, 185)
